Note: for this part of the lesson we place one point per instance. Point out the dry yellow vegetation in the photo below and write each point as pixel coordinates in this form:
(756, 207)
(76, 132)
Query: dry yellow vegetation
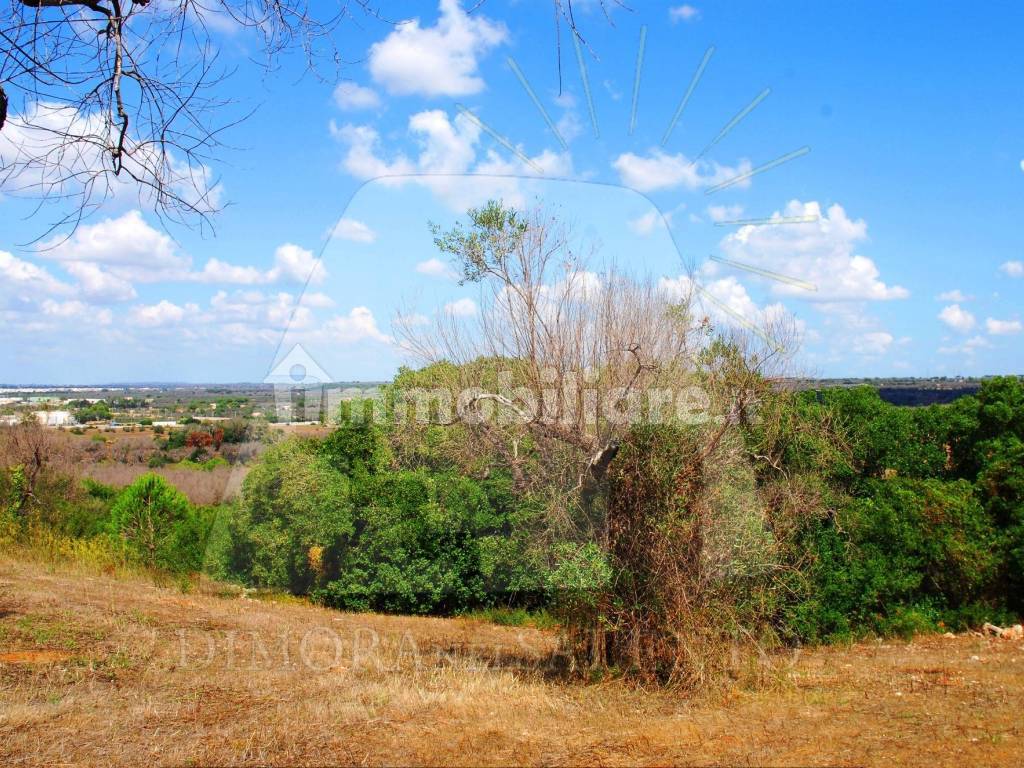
(102, 670)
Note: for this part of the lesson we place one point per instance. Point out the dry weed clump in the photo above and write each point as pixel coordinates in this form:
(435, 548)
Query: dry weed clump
(203, 487)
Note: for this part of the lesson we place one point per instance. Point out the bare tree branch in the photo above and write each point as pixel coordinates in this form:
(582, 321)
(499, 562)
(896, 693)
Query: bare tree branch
(100, 96)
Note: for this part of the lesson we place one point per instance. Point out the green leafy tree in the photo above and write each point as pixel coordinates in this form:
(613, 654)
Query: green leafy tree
(95, 412)
(886, 438)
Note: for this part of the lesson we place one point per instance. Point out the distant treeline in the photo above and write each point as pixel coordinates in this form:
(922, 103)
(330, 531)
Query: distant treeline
(925, 395)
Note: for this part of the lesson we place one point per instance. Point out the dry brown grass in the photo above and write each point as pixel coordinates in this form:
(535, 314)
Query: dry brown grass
(123, 457)
(134, 673)
(204, 487)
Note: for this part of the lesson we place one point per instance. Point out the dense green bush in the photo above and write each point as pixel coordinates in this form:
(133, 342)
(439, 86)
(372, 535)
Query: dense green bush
(986, 434)
(333, 519)
(431, 543)
(416, 550)
(93, 412)
(356, 447)
(294, 512)
(905, 556)
(887, 438)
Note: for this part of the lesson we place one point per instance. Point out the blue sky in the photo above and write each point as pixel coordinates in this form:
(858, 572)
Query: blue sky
(914, 187)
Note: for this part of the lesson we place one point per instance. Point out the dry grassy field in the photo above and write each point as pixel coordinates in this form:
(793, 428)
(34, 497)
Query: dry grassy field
(116, 670)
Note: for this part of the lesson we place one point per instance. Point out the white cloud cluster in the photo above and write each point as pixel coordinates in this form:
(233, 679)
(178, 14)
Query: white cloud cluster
(659, 170)
(1013, 268)
(729, 301)
(1002, 327)
(24, 280)
(957, 318)
(38, 131)
(127, 247)
(847, 325)
(683, 12)
(161, 314)
(447, 150)
(78, 311)
(821, 253)
(647, 223)
(461, 308)
(248, 316)
(349, 95)
(358, 325)
(441, 60)
(354, 231)
(295, 264)
(434, 267)
(872, 343)
(967, 347)
(724, 212)
(109, 257)
(106, 261)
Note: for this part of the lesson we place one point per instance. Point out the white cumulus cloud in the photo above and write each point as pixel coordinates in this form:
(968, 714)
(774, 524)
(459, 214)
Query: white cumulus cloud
(872, 343)
(1013, 268)
(1002, 327)
(724, 212)
(77, 310)
(126, 246)
(461, 308)
(968, 347)
(822, 253)
(647, 223)
(353, 230)
(957, 318)
(436, 61)
(683, 13)
(160, 314)
(434, 267)
(358, 325)
(296, 264)
(449, 158)
(659, 170)
(26, 279)
(349, 95)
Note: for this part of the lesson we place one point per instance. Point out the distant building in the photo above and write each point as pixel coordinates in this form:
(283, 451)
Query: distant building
(9, 421)
(55, 418)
